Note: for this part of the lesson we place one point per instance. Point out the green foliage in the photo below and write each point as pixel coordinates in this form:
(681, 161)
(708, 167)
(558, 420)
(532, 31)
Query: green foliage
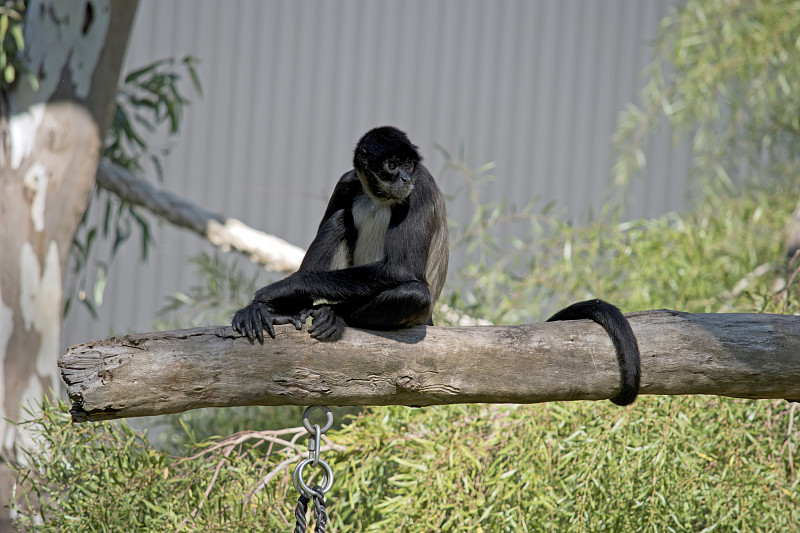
(150, 99)
(669, 464)
(221, 288)
(725, 74)
(12, 44)
(724, 255)
(150, 96)
(106, 477)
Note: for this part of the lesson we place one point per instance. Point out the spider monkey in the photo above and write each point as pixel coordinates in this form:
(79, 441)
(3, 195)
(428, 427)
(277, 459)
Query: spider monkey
(380, 256)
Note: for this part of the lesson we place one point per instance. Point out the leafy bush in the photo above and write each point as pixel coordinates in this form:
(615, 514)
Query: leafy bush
(726, 254)
(107, 477)
(668, 464)
(674, 464)
(726, 76)
(12, 46)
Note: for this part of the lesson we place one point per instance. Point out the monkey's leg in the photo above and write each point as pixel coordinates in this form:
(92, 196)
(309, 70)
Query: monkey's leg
(404, 306)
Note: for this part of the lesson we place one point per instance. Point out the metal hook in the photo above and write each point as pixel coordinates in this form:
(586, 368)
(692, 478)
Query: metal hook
(307, 423)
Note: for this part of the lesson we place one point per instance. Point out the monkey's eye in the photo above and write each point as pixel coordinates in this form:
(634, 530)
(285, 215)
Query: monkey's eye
(390, 166)
(409, 166)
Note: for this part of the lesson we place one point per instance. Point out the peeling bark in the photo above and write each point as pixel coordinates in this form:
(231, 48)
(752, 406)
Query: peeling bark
(52, 141)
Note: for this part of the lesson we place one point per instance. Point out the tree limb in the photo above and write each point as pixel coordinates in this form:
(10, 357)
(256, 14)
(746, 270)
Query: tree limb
(739, 355)
(227, 233)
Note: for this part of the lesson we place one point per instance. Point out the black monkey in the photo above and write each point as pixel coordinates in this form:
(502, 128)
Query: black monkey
(619, 329)
(379, 258)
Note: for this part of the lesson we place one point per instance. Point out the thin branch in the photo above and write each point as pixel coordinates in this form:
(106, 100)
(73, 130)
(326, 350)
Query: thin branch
(227, 233)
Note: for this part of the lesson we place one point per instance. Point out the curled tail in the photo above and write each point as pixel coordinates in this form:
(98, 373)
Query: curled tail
(618, 328)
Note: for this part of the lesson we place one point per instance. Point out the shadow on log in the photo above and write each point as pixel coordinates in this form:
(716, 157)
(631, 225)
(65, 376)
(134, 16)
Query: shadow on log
(739, 355)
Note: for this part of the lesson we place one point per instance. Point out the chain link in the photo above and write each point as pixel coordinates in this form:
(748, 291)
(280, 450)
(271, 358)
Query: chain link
(316, 493)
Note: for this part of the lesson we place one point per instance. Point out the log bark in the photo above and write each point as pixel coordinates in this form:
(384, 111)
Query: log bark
(738, 355)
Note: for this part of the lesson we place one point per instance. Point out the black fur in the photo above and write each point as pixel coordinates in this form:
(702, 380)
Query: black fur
(619, 329)
(380, 144)
(396, 291)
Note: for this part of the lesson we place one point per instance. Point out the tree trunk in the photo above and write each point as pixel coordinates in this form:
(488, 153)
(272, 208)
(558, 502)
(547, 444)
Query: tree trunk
(52, 142)
(739, 355)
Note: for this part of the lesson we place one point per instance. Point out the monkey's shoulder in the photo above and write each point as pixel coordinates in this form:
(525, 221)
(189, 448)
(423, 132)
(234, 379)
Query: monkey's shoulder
(347, 189)
(348, 186)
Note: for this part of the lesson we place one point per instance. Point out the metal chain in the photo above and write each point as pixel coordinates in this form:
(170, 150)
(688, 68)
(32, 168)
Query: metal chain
(317, 492)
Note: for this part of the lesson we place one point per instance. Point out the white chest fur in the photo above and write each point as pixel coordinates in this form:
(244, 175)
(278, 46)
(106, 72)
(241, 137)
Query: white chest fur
(372, 221)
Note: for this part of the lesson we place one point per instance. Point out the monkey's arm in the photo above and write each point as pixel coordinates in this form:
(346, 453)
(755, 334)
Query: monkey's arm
(295, 308)
(335, 229)
(330, 242)
(301, 289)
(293, 299)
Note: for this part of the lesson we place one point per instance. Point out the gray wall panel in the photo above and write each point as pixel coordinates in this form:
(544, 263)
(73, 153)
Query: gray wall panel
(534, 85)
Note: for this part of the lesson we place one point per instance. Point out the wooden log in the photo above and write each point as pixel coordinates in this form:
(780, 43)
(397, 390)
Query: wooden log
(738, 355)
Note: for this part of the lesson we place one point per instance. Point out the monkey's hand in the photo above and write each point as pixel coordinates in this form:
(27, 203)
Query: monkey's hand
(252, 320)
(326, 325)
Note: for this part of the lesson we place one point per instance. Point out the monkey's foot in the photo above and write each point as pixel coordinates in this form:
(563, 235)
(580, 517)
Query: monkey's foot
(326, 325)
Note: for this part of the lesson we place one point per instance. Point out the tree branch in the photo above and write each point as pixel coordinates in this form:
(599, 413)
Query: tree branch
(227, 233)
(739, 355)
(792, 231)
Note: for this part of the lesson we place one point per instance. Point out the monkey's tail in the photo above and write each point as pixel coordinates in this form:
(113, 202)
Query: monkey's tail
(619, 329)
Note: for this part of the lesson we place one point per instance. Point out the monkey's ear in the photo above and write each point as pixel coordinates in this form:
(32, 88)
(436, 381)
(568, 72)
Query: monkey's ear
(361, 159)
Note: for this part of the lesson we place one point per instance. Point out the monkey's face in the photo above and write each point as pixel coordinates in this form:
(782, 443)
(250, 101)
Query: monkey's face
(386, 163)
(391, 182)
(396, 179)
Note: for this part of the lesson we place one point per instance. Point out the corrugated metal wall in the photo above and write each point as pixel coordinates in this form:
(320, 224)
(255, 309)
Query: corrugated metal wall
(289, 87)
